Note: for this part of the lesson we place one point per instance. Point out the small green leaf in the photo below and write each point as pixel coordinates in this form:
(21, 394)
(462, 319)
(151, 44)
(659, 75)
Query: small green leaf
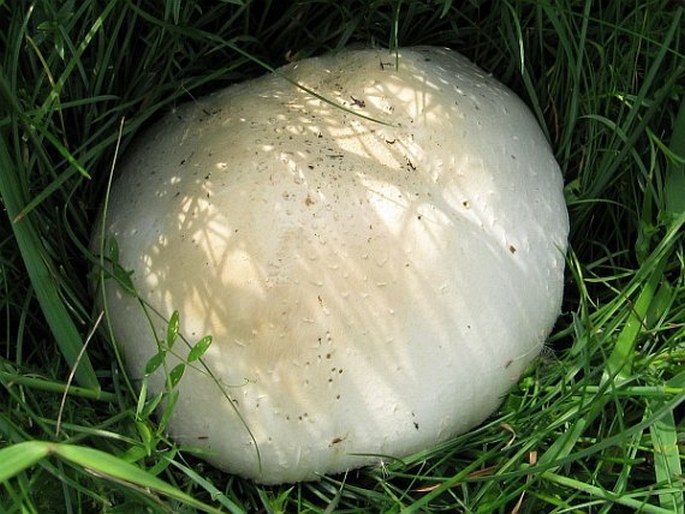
(155, 362)
(114, 251)
(176, 374)
(199, 349)
(134, 454)
(122, 276)
(145, 435)
(172, 329)
(142, 398)
(151, 405)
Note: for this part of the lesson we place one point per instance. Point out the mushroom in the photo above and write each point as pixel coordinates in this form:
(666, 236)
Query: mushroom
(375, 241)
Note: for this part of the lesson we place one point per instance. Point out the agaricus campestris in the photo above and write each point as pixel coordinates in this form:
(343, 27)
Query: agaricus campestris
(375, 240)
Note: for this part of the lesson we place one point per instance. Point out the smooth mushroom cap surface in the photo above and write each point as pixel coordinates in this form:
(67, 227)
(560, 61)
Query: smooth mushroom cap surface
(378, 255)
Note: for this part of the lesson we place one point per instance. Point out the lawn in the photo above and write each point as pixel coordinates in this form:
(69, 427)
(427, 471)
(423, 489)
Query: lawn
(596, 425)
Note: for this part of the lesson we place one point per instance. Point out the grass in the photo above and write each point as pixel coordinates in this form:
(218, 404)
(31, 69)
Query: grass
(597, 425)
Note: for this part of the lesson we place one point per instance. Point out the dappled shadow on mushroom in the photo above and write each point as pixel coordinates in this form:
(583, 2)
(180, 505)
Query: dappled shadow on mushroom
(363, 280)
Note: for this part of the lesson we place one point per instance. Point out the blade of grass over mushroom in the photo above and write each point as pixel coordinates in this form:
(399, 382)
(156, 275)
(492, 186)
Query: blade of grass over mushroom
(306, 89)
(271, 69)
(37, 264)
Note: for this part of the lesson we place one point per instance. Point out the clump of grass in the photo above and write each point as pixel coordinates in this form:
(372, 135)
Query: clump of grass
(596, 426)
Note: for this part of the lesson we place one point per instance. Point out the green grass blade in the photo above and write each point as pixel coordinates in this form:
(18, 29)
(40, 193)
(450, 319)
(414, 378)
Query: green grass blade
(619, 365)
(667, 464)
(18, 457)
(667, 467)
(208, 486)
(55, 93)
(113, 468)
(10, 379)
(674, 189)
(36, 262)
(21, 456)
(637, 504)
(50, 189)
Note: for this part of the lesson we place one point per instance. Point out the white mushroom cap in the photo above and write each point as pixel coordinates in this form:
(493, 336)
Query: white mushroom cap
(372, 288)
